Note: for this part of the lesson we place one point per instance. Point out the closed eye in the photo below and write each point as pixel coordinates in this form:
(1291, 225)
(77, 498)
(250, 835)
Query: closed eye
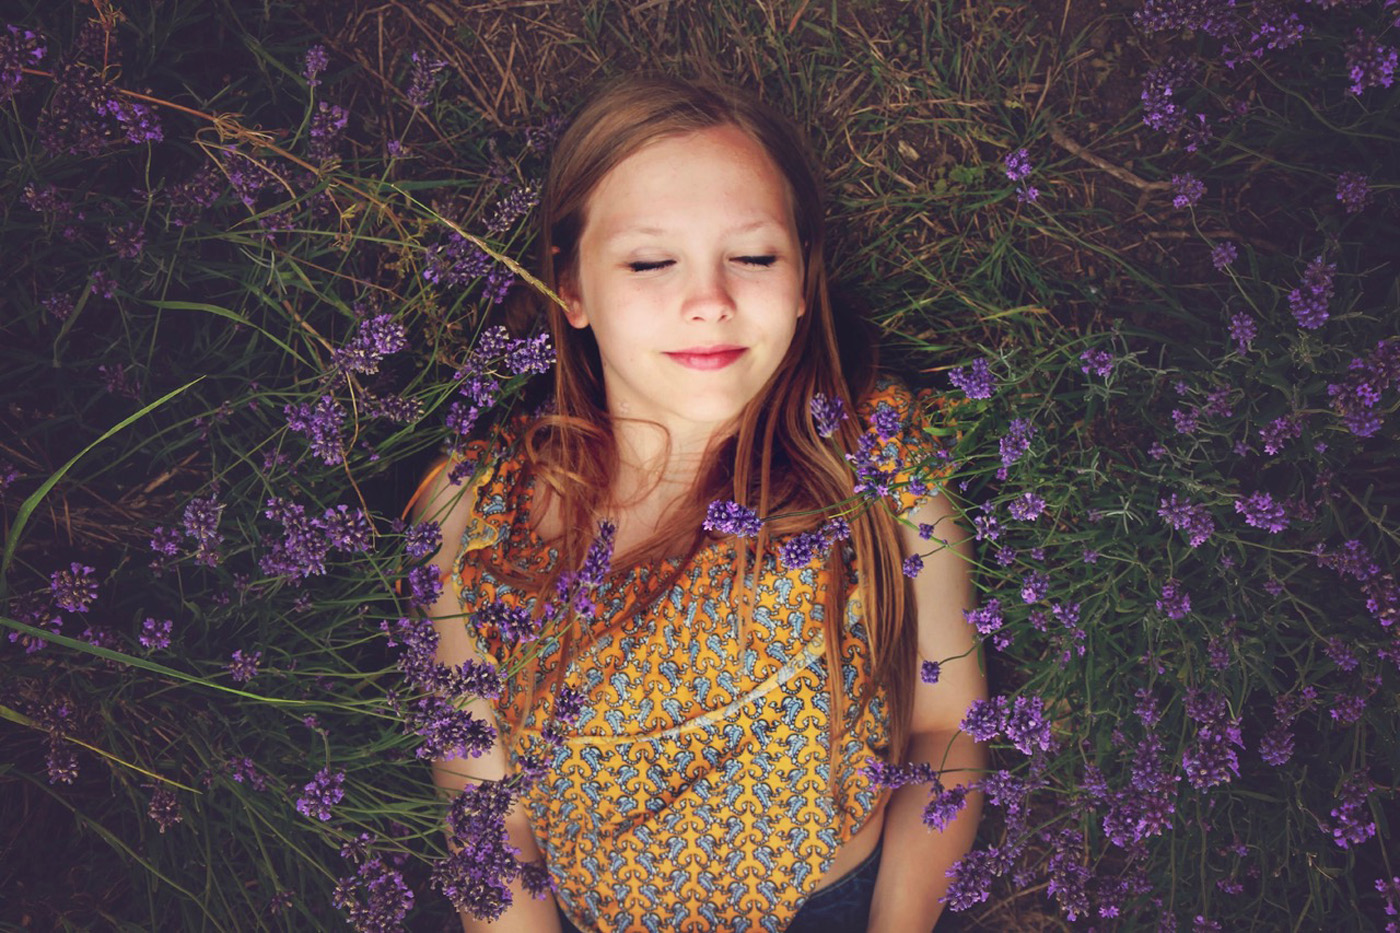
(758, 260)
(648, 266)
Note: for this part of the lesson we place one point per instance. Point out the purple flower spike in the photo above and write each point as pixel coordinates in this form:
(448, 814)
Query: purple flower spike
(18, 49)
(313, 63)
(1187, 190)
(422, 79)
(1369, 63)
(1026, 507)
(73, 589)
(1243, 331)
(164, 808)
(976, 381)
(1261, 511)
(1309, 300)
(422, 540)
(732, 518)
(828, 413)
(1353, 190)
(1223, 254)
(1175, 602)
(321, 793)
(1096, 362)
(244, 667)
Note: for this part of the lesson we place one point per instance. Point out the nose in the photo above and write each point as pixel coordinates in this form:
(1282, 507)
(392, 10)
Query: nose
(708, 296)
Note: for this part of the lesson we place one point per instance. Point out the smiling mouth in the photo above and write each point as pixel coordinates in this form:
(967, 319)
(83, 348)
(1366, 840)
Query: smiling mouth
(709, 359)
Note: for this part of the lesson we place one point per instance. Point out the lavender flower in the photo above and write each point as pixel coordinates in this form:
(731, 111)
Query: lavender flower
(985, 719)
(1353, 190)
(976, 381)
(155, 635)
(1026, 726)
(828, 413)
(886, 422)
(1034, 587)
(425, 585)
(800, 549)
(1206, 16)
(1223, 254)
(128, 240)
(987, 618)
(189, 198)
(1276, 745)
(1211, 759)
(375, 338)
(61, 762)
(422, 540)
(1174, 602)
(1309, 300)
(1026, 507)
(1018, 165)
(913, 564)
(1369, 63)
(944, 807)
(376, 899)
(1261, 511)
(1145, 807)
(244, 667)
(422, 79)
(73, 589)
(1159, 86)
(321, 793)
(1242, 331)
(732, 518)
(460, 262)
(1185, 516)
(244, 770)
(1014, 445)
(929, 672)
(1187, 190)
(447, 733)
(164, 808)
(347, 530)
(1096, 362)
(972, 879)
(19, 48)
(1018, 168)
(1186, 420)
(1280, 431)
(322, 423)
(313, 63)
(302, 551)
(514, 623)
(530, 355)
(1351, 824)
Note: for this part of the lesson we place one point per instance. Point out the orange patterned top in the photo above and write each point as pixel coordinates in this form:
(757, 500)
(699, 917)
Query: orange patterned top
(691, 793)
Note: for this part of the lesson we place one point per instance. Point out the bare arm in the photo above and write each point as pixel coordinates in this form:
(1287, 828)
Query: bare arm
(446, 504)
(915, 859)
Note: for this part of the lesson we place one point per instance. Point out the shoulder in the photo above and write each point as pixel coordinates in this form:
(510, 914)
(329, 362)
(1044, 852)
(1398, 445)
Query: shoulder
(462, 483)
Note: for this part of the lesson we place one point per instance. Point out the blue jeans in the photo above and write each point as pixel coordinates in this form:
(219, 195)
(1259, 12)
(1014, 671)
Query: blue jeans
(841, 907)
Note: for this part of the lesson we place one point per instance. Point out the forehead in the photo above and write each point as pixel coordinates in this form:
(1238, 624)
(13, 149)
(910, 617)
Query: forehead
(719, 171)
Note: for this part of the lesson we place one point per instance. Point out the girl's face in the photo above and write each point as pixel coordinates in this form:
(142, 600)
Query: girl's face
(689, 271)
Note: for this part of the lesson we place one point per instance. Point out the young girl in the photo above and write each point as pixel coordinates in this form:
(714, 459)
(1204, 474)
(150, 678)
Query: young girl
(667, 567)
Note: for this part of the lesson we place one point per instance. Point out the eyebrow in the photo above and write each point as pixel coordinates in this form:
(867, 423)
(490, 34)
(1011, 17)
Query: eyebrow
(657, 231)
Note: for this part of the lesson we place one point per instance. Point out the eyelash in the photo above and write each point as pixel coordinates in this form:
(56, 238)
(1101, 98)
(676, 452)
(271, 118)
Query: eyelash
(759, 261)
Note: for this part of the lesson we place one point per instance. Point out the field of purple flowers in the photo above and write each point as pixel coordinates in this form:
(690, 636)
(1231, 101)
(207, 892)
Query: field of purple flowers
(261, 266)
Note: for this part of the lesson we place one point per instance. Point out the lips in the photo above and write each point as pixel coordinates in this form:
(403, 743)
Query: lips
(714, 357)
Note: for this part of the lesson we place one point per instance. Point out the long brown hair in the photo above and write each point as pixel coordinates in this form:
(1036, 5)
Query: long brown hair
(775, 462)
